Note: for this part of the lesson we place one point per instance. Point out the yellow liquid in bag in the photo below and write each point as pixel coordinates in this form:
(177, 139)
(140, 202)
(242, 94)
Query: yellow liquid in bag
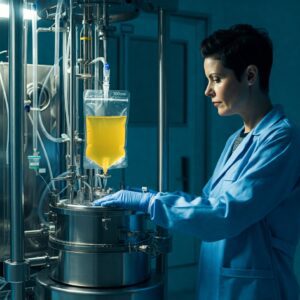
(105, 140)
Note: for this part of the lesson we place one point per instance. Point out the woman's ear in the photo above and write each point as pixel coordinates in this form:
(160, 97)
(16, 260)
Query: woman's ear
(252, 74)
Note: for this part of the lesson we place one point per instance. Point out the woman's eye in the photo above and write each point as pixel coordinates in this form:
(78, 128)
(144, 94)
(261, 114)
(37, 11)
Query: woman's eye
(216, 79)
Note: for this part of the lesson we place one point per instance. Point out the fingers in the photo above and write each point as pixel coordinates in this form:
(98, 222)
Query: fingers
(105, 203)
(110, 203)
(103, 200)
(98, 202)
(110, 200)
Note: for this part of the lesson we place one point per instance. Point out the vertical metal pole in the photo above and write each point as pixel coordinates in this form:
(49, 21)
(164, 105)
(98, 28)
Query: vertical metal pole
(162, 125)
(86, 56)
(87, 46)
(105, 25)
(16, 104)
(97, 49)
(72, 96)
(161, 263)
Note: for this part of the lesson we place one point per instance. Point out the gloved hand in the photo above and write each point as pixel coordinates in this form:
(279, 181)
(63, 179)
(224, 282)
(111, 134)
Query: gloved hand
(126, 199)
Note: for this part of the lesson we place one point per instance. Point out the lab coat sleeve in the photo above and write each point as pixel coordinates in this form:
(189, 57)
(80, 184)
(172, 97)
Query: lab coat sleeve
(269, 176)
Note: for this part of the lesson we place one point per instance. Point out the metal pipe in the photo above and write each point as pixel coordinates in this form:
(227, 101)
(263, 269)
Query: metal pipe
(86, 47)
(97, 49)
(105, 27)
(36, 233)
(161, 262)
(72, 100)
(86, 44)
(25, 81)
(162, 120)
(16, 147)
(42, 260)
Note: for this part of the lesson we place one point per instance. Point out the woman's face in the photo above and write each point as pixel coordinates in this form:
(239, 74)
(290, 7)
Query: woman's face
(228, 94)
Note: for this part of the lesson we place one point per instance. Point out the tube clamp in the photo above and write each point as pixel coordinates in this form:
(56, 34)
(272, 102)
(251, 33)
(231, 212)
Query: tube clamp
(157, 245)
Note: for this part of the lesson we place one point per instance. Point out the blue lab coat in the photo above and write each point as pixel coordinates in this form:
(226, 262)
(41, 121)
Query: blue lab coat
(248, 216)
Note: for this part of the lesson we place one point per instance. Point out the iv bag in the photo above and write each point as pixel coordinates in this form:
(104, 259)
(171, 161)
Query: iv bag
(105, 128)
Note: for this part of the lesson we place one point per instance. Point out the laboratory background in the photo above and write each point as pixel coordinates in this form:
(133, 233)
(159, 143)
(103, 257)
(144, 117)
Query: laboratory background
(83, 75)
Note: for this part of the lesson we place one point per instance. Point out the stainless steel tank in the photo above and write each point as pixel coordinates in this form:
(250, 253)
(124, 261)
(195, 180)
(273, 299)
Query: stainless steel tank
(48, 289)
(98, 247)
(99, 256)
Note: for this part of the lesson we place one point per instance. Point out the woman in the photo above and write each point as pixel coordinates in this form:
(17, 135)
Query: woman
(248, 215)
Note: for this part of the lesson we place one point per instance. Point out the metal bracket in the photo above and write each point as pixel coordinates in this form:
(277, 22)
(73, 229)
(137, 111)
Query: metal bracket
(157, 245)
(16, 271)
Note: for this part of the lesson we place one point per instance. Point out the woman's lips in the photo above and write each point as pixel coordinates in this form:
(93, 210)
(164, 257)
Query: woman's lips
(216, 103)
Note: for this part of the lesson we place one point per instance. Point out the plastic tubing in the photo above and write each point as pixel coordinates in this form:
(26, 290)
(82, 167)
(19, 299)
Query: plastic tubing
(34, 79)
(106, 74)
(90, 190)
(56, 47)
(7, 112)
(43, 199)
(96, 49)
(45, 132)
(66, 53)
(45, 153)
(41, 204)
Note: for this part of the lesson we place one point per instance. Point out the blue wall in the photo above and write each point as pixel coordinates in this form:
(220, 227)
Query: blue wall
(281, 20)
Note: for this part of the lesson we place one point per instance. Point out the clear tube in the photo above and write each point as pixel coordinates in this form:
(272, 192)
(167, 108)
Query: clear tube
(97, 50)
(7, 112)
(44, 151)
(47, 134)
(57, 40)
(41, 205)
(26, 135)
(43, 198)
(34, 79)
(66, 54)
(90, 190)
(106, 74)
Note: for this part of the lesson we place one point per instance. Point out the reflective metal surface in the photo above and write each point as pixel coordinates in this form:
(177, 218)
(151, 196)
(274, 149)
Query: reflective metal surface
(102, 253)
(47, 289)
(33, 186)
(98, 247)
(120, 10)
(101, 269)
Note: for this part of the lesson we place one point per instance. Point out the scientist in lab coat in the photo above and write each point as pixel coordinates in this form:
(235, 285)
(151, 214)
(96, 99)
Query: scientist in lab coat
(248, 215)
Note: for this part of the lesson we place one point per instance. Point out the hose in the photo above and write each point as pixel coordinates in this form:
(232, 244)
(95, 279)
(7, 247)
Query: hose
(7, 112)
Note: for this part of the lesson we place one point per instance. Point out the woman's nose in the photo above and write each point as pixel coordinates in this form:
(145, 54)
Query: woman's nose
(209, 92)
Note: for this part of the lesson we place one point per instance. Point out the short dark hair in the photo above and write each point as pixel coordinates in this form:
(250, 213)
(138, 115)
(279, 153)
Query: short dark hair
(240, 46)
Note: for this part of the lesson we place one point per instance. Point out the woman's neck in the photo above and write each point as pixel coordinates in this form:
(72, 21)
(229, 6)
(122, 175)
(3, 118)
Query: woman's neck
(256, 112)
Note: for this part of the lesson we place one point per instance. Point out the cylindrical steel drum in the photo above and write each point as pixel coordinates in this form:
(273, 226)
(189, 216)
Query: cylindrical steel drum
(98, 246)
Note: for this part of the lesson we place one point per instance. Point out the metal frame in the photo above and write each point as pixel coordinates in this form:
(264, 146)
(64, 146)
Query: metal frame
(17, 268)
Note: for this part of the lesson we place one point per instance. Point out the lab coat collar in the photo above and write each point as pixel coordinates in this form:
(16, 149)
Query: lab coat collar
(269, 119)
(228, 159)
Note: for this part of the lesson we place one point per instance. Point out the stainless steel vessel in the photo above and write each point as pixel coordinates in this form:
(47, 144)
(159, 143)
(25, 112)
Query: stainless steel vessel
(99, 256)
(99, 247)
(47, 289)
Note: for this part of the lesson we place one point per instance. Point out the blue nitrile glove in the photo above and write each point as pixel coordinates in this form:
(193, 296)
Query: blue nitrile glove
(126, 199)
